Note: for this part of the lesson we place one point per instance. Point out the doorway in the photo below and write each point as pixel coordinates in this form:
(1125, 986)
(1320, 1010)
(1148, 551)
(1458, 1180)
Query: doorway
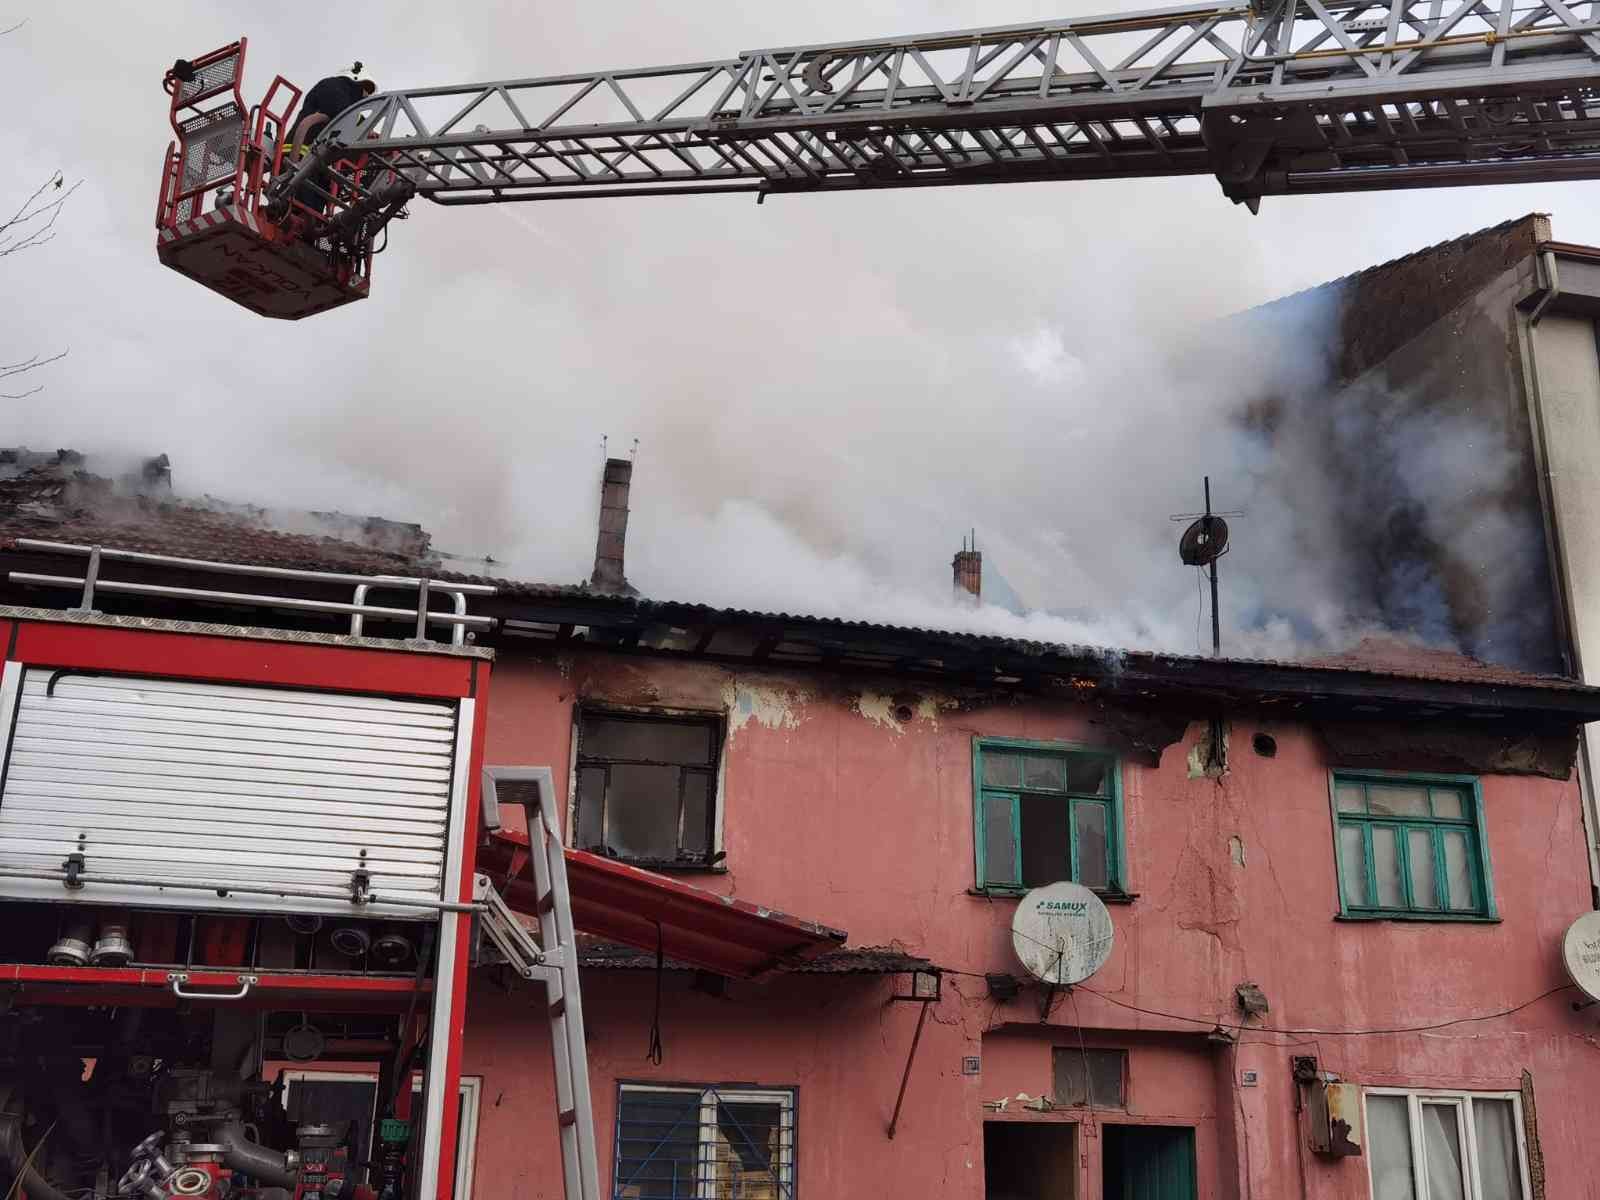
(1148, 1162)
(1027, 1160)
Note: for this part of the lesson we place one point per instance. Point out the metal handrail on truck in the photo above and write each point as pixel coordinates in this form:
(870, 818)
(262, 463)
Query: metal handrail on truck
(357, 609)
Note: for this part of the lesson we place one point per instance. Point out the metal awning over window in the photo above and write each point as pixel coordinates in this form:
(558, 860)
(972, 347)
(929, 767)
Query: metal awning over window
(620, 903)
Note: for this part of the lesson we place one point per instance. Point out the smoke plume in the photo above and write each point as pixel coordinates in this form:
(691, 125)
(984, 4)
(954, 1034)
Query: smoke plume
(827, 392)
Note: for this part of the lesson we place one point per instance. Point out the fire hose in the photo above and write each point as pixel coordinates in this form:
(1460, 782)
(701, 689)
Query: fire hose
(21, 1161)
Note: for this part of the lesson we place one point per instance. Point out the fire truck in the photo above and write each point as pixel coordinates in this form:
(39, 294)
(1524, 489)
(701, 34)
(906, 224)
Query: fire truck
(228, 852)
(1270, 97)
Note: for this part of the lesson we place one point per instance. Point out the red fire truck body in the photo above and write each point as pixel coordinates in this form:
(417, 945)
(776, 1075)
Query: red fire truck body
(231, 853)
(234, 833)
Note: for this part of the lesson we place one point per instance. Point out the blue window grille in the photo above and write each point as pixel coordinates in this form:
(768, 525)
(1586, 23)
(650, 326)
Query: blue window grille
(704, 1142)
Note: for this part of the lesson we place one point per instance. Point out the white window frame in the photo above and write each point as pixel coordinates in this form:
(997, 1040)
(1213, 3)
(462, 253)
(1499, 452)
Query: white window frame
(471, 1093)
(1466, 1127)
(710, 1096)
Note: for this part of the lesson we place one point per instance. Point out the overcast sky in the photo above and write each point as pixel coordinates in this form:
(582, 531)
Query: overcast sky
(827, 391)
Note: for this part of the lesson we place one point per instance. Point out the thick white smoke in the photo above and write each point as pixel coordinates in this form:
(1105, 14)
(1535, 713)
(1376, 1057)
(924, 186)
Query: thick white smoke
(828, 392)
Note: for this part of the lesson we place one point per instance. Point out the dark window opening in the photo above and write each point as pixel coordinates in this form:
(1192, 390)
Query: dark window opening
(647, 786)
(748, 1132)
(1090, 1077)
(1046, 815)
(1027, 1161)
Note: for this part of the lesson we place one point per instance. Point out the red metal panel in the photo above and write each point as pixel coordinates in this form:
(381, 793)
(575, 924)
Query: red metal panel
(629, 905)
(259, 265)
(241, 660)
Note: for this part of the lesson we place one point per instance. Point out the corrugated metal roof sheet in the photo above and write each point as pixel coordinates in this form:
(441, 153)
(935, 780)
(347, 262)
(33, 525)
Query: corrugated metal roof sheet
(618, 902)
(176, 528)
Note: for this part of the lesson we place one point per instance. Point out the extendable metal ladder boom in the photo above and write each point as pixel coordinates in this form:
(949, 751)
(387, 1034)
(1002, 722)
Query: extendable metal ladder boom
(552, 960)
(1287, 97)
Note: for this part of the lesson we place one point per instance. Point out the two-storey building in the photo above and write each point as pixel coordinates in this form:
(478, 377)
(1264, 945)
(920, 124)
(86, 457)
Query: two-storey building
(1338, 890)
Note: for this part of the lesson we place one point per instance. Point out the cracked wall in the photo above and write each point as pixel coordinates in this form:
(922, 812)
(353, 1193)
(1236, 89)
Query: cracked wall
(850, 802)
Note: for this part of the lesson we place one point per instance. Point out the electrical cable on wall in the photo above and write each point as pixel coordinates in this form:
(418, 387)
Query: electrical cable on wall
(654, 1054)
(1505, 1012)
(1083, 1053)
(1214, 1023)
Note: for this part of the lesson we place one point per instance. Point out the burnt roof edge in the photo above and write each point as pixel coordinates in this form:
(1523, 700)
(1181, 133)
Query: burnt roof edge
(1136, 676)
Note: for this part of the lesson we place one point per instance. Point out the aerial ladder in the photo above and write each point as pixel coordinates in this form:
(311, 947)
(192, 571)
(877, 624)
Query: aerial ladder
(1270, 98)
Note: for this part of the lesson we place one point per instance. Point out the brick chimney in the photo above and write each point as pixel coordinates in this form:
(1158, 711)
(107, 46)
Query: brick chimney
(968, 568)
(608, 573)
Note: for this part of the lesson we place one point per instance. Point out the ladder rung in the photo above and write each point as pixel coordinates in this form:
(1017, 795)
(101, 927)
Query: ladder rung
(568, 1116)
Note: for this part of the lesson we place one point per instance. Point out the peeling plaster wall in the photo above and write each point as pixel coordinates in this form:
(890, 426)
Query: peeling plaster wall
(851, 803)
(841, 1043)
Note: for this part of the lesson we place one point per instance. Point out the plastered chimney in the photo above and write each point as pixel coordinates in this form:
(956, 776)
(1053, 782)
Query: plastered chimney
(967, 567)
(608, 575)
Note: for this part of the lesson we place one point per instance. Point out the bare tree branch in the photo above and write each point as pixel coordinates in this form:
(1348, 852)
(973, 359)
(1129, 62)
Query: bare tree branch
(34, 223)
(17, 368)
(7, 370)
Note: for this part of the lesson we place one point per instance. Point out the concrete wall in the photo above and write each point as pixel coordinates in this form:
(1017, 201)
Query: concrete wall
(837, 809)
(1563, 369)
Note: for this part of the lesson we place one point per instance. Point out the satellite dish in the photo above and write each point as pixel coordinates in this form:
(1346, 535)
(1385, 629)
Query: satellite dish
(1204, 541)
(1581, 950)
(1062, 933)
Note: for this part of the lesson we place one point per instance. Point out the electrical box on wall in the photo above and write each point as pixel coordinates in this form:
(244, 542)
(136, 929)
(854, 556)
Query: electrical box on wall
(1334, 1113)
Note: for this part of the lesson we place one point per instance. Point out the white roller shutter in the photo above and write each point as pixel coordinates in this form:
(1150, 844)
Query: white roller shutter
(164, 780)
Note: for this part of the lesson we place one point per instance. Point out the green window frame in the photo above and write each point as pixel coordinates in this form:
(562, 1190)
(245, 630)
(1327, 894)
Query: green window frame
(1046, 811)
(1411, 846)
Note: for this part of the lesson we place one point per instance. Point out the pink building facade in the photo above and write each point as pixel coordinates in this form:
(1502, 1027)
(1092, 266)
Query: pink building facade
(1388, 861)
(1339, 894)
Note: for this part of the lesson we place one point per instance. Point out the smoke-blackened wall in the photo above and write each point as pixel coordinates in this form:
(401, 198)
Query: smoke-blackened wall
(1411, 474)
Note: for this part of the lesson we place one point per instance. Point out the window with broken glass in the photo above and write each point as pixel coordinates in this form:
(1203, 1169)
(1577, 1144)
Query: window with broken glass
(646, 786)
(1427, 1145)
(1046, 812)
(1411, 846)
(704, 1142)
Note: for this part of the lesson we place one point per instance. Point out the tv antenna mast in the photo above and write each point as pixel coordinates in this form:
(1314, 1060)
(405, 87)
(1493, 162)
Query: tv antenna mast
(1205, 541)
